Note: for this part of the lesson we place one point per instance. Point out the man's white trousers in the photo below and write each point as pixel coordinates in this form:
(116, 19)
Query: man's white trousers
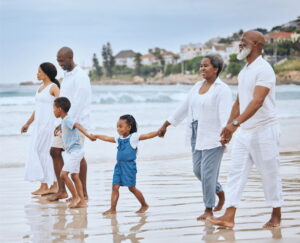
(259, 147)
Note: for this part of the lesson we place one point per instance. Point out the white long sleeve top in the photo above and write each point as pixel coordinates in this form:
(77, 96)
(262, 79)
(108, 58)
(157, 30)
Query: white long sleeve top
(213, 110)
(76, 87)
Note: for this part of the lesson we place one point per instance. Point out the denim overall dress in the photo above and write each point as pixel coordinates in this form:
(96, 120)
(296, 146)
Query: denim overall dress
(125, 169)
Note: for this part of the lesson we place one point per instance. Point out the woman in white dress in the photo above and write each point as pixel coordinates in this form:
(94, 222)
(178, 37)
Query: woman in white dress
(39, 165)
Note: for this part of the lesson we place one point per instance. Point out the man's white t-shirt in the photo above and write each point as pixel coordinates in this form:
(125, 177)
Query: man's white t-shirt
(258, 73)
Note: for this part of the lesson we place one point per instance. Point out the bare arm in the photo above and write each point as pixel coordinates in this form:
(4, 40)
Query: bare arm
(235, 111)
(28, 123)
(54, 91)
(148, 135)
(105, 138)
(259, 95)
(84, 131)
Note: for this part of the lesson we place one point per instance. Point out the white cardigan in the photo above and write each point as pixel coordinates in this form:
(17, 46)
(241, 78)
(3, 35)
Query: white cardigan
(213, 115)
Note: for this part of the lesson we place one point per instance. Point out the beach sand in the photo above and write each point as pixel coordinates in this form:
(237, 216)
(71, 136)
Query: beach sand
(165, 177)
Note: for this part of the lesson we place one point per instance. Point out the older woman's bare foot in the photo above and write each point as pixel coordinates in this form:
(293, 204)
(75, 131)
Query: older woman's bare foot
(57, 196)
(221, 221)
(109, 211)
(143, 209)
(221, 196)
(74, 203)
(207, 213)
(274, 222)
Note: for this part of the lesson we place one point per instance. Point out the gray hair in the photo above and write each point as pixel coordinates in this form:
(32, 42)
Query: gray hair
(216, 61)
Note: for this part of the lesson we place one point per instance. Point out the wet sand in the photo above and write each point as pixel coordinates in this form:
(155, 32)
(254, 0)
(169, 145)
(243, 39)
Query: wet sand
(171, 190)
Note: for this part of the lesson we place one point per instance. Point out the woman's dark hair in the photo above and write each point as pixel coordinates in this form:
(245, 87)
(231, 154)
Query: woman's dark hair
(131, 122)
(50, 70)
(63, 103)
(216, 61)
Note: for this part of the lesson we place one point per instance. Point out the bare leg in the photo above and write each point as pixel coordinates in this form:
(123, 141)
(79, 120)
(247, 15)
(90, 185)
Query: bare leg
(78, 186)
(75, 198)
(275, 219)
(140, 197)
(207, 213)
(42, 190)
(114, 200)
(83, 175)
(227, 220)
(58, 164)
(221, 196)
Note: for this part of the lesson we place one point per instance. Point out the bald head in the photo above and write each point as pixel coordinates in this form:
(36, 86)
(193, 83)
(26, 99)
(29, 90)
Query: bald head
(65, 58)
(256, 37)
(66, 52)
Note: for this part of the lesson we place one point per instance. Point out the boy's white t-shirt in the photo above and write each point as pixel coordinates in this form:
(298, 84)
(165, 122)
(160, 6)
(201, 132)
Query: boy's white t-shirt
(134, 139)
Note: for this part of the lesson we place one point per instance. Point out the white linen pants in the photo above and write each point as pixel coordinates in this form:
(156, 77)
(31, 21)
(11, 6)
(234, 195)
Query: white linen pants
(259, 147)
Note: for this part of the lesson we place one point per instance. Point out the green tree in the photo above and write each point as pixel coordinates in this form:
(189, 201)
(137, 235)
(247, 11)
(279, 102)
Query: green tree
(193, 65)
(97, 67)
(234, 66)
(122, 70)
(138, 63)
(108, 59)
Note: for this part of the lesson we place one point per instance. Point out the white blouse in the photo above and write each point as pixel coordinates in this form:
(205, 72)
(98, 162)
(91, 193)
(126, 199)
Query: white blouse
(212, 112)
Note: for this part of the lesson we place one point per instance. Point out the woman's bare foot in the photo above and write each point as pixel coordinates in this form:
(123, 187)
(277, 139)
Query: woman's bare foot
(143, 209)
(57, 196)
(70, 199)
(53, 188)
(207, 213)
(221, 221)
(82, 204)
(109, 211)
(74, 203)
(42, 190)
(221, 196)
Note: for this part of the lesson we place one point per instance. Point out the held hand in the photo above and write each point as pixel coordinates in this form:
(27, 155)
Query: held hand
(24, 128)
(227, 133)
(162, 131)
(57, 131)
(92, 137)
(225, 140)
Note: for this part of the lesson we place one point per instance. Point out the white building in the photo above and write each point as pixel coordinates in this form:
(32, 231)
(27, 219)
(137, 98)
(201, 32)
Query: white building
(126, 58)
(190, 51)
(169, 57)
(149, 59)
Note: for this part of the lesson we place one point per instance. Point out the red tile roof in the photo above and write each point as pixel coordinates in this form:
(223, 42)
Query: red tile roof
(279, 35)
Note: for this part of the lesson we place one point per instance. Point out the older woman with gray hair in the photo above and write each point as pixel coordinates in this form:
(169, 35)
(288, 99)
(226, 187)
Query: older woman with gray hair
(207, 108)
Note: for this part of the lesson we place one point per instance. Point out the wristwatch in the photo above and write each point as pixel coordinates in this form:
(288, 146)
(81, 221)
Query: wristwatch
(235, 123)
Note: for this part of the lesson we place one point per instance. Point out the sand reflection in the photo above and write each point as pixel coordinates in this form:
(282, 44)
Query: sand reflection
(54, 222)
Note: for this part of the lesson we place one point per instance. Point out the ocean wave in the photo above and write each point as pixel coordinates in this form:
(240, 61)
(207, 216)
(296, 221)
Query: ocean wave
(108, 98)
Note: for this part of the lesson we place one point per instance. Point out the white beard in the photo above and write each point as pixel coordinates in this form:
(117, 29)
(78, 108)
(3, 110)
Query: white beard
(243, 53)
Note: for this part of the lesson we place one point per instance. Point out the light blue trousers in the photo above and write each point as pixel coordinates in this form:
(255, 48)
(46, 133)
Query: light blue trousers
(206, 166)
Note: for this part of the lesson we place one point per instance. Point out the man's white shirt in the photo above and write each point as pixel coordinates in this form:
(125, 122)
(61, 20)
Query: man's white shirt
(258, 73)
(76, 87)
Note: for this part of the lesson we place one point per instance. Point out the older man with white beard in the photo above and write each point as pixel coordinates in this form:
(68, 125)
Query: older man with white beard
(257, 139)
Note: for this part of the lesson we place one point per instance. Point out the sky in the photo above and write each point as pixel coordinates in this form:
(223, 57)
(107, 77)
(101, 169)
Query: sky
(31, 31)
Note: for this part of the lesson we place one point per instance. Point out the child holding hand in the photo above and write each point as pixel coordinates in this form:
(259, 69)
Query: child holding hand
(73, 151)
(125, 169)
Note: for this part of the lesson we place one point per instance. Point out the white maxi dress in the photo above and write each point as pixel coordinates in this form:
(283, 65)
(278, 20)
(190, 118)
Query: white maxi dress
(39, 165)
